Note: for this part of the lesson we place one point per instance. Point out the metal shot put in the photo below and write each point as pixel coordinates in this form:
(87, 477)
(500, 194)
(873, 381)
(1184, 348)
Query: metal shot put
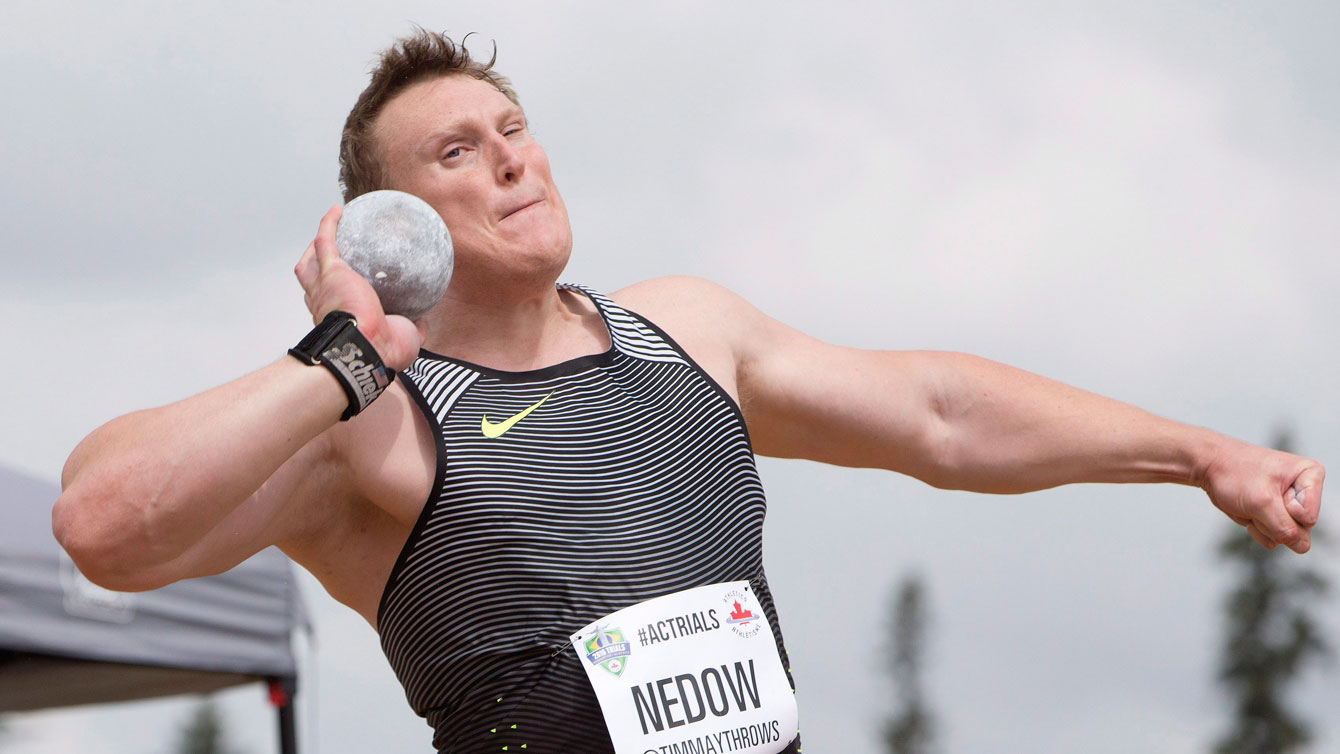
(400, 245)
(544, 497)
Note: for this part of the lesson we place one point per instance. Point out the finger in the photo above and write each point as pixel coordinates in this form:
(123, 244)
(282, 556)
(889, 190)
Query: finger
(326, 251)
(1274, 520)
(1260, 538)
(1293, 502)
(1304, 498)
(1303, 544)
(306, 269)
(409, 336)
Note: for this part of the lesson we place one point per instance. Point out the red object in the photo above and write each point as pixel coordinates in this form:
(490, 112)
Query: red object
(278, 697)
(740, 613)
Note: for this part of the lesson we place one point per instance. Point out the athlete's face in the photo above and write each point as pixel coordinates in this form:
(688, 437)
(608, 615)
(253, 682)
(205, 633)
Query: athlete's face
(462, 146)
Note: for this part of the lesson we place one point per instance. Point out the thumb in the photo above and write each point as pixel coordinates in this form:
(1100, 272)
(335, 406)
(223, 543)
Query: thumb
(1303, 498)
(403, 341)
(324, 245)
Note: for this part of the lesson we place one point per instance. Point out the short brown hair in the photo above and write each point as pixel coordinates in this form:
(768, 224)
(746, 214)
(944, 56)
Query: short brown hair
(418, 57)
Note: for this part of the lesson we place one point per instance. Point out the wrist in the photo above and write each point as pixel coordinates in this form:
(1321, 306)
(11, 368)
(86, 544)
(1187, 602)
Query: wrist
(1201, 449)
(337, 344)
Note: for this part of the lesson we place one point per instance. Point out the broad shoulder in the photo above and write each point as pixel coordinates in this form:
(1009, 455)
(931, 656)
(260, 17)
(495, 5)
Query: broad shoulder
(704, 318)
(675, 289)
(680, 301)
(707, 309)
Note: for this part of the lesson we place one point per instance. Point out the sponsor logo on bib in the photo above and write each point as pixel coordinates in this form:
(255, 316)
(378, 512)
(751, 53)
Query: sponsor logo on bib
(608, 649)
(742, 613)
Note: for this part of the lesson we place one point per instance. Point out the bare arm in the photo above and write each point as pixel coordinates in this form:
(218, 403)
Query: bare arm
(144, 489)
(957, 421)
(199, 485)
(961, 422)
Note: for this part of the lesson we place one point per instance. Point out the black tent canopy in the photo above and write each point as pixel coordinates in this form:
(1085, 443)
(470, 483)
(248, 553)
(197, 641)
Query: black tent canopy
(65, 641)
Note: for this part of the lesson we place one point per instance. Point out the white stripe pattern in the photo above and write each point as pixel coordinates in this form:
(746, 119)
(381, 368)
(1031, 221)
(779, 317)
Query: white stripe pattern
(634, 478)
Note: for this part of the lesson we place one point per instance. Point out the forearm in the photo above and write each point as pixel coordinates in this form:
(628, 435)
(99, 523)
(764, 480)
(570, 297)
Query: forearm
(1004, 430)
(146, 486)
(960, 422)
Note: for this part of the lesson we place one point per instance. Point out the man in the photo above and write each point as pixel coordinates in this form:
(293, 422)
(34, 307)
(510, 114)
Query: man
(582, 458)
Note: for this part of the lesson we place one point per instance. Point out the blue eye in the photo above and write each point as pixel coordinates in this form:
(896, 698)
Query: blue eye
(455, 151)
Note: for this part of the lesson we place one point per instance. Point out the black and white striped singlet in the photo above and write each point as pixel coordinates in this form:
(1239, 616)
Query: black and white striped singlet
(631, 478)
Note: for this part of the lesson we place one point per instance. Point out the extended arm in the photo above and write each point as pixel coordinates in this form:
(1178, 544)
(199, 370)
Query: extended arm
(961, 422)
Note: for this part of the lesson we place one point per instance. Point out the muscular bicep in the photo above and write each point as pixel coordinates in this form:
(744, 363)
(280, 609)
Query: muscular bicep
(804, 398)
(288, 508)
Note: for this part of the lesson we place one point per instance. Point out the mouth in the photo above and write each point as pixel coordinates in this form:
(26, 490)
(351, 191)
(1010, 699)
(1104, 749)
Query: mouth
(520, 207)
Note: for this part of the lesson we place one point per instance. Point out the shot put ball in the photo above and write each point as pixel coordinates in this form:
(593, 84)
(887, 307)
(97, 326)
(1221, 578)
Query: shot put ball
(400, 245)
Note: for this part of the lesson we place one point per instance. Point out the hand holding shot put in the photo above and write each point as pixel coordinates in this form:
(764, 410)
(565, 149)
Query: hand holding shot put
(553, 468)
(330, 284)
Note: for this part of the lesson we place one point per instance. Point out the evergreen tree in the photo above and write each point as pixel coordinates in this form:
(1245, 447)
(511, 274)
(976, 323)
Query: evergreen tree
(203, 734)
(911, 729)
(1270, 636)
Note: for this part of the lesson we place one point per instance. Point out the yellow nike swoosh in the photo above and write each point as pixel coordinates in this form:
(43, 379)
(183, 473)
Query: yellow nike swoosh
(493, 431)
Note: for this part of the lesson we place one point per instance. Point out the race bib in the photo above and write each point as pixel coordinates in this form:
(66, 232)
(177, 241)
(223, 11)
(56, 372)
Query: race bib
(694, 671)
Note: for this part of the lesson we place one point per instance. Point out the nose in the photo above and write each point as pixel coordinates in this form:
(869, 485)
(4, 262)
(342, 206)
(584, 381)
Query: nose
(509, 165)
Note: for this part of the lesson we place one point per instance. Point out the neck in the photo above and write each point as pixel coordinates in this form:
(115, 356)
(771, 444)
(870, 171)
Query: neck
(513, 328)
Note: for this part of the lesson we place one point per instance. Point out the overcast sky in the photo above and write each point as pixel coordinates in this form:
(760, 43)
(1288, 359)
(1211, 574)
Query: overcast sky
(1135, 197)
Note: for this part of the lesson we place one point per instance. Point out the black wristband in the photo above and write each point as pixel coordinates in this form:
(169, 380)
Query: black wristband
(337, 344)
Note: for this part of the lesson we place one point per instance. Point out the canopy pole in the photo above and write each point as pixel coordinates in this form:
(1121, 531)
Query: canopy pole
(281, 696)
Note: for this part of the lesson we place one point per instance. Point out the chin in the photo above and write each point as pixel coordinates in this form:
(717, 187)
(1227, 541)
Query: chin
(550, 264)
(537, 266)
(551, 253)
